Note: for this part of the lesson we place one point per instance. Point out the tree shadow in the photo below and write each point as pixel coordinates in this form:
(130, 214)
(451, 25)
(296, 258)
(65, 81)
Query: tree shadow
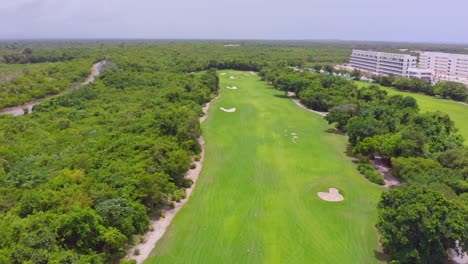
(335, 131)
(349, 153)
(381, 256)
(281, 96)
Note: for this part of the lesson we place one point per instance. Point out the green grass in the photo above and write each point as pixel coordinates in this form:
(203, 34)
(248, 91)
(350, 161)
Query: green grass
(256, 199)
(457, 111)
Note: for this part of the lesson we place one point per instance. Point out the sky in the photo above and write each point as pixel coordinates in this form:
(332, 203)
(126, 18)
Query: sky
(441, 21)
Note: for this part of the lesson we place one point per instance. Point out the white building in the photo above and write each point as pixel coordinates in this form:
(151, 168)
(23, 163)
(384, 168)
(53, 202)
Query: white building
(420, 73)
(445, 66)
(382, 63)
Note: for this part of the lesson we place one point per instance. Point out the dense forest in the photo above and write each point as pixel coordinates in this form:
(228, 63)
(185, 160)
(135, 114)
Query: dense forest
(83, 173)
(86, 170)
(423, 149)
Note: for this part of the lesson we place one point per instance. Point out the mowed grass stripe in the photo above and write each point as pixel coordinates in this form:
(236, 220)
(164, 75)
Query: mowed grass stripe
(457, 111)
(256, 199)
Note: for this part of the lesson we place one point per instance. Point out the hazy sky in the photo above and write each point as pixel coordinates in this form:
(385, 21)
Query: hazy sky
(390, 20)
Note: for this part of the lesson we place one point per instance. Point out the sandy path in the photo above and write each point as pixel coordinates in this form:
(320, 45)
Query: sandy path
(389, 180)
(160, 225)
(18, 110)
(296, 101)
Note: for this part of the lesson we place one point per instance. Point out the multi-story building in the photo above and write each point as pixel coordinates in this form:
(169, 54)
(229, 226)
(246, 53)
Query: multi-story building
(382, 63)
(445, 66)
(420, 73)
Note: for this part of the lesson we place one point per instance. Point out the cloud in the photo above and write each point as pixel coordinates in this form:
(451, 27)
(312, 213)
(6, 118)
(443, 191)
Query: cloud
(293, 19)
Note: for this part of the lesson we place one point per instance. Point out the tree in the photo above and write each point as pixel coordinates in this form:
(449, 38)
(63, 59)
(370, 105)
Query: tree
(317, 68)
(81, 229)
(418, 225)
(114, 240)
(328, 68)
(356, 74)
(359, 128)
(453, 90)
(341, 114)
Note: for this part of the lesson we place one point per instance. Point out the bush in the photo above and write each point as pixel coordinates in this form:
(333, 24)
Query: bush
(370, 173)
(136, 252)
(178, 195)
(128, 261)
(193, 166)
(187, 183)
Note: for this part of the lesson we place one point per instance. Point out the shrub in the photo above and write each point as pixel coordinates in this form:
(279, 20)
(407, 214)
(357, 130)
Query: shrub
(136, 252)
(193, 166)
(187, 183)
(178, 195)
(370, 173)
(128, 261)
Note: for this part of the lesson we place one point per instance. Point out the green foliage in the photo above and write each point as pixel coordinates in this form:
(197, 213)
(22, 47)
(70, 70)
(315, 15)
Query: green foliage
(452, 90)
(418, 225)
(445, 89)
(371, 174)
(43, 81)
(410, 168)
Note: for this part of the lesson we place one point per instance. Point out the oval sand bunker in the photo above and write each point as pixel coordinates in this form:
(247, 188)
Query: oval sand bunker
(333, 195)
(230, 110)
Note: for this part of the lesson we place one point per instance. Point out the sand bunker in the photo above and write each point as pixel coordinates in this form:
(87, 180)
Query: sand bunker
(250, 73)
(231, 88)
(230, 110)
(333, 195)
(232, 77)
(223, 73)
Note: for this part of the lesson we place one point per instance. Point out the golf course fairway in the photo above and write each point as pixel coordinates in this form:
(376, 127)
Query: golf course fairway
(256, 199)
(457, 111)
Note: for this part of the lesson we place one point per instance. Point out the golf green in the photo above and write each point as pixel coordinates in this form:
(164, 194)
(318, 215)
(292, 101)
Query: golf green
(256, 199)
(457, 111)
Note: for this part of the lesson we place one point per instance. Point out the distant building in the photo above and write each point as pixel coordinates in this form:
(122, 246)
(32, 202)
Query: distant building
(445, 66)
(231, 45)
(382, 63)
(425, 74)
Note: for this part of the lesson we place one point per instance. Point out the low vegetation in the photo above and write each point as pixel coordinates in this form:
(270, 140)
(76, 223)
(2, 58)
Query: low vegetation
(370, 173)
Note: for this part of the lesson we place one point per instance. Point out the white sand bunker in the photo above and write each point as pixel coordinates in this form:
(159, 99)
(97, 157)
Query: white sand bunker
(333, 195)
(231, 88)
(223, 73)
(230, 110)
(232, 77)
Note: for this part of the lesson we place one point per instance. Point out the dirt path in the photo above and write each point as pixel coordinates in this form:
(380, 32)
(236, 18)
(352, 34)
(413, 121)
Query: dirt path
(19, 110)
(160, 225)
(296, 101)
(379, 165)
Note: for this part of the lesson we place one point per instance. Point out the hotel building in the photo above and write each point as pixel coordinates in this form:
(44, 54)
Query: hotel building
(445, 66)
(382, 63)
